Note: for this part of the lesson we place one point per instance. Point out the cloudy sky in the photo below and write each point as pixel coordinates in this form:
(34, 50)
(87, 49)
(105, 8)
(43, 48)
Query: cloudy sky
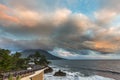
(74, 25)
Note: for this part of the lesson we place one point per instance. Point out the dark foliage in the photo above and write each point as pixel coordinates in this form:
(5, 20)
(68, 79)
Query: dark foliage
(38, 59)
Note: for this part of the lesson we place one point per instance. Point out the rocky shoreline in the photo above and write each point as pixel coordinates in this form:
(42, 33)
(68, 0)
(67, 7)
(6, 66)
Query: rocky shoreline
(60, 73)
(57, 73)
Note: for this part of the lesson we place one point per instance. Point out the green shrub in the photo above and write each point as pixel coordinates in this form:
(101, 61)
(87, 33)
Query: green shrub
(10, 77)
(18, 78)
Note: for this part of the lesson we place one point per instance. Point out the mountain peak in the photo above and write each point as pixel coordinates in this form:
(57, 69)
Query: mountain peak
(27, 52)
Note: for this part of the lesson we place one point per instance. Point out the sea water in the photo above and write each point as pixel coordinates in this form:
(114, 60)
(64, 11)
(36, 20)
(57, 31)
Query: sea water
(86, 70)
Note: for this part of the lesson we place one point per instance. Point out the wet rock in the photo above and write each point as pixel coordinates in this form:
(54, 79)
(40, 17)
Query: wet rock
(60, 73)
(48, 70)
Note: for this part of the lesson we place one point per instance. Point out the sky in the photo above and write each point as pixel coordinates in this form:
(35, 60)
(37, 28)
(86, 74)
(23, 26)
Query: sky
(67, 28)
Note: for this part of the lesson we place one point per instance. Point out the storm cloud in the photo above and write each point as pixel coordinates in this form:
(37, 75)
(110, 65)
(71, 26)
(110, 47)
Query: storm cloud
(39, 24)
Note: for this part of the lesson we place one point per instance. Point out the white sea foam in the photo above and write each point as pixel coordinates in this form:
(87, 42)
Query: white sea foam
(73, 76)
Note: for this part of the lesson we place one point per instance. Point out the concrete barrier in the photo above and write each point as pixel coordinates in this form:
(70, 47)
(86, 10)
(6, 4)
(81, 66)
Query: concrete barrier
(38, 75)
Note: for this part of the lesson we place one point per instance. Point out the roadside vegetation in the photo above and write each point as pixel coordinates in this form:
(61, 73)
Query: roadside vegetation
(13, 62)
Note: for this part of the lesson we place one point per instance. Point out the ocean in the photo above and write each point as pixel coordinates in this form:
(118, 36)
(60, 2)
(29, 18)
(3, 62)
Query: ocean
(86, 69)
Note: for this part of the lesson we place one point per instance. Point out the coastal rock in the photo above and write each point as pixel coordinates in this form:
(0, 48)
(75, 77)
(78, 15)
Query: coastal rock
(48, 70)
(60, 73)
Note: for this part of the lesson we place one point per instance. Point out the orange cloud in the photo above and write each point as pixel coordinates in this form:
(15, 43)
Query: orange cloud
(104, 46)
(28, 17)
(4, 16)
(3, 7)
(60, 16)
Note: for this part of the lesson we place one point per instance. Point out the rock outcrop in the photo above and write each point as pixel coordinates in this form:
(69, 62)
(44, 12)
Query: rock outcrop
(60, 73)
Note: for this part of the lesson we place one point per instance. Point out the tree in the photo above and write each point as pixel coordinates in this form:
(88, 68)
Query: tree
(43, 61)
(5, 60)
(17, 55)
(18, 62)
(38, 59)
(10, 62)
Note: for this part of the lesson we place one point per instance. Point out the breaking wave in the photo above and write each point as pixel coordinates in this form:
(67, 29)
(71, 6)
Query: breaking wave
(73, 76)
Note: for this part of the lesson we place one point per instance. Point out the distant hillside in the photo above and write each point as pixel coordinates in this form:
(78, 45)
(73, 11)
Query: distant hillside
(26, 53)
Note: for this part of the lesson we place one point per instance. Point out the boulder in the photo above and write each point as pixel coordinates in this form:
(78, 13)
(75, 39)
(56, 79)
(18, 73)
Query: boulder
(60, 73)
(48, 70)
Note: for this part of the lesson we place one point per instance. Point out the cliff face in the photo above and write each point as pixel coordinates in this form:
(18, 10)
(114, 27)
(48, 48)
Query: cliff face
(26, 53)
